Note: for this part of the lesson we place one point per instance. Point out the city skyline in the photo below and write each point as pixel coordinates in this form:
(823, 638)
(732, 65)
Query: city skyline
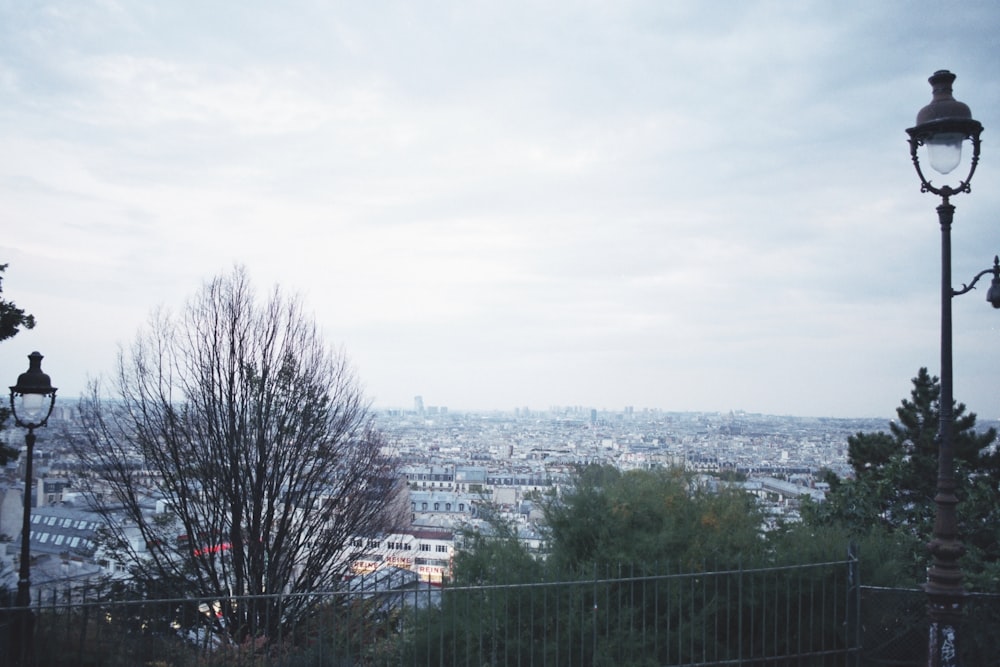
(679, 206)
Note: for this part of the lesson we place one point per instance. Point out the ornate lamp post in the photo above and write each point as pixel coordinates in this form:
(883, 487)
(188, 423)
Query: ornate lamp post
(943, 126)
(31, 402)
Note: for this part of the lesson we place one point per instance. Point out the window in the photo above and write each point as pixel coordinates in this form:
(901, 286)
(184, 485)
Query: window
(437, 506)
(461, 507)
(441, 548)
(59, 539)
(425, 547)
(447, 507)
(423, 506)
(44, 538)
(73, 542)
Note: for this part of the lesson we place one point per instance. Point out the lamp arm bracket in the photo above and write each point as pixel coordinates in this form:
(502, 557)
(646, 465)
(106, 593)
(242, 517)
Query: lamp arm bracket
(995, 270)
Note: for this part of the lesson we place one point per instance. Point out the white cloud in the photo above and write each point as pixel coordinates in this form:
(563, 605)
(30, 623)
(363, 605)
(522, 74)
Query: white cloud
(680, 205)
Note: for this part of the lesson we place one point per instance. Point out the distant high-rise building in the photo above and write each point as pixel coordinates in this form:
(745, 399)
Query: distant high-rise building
(418, 404)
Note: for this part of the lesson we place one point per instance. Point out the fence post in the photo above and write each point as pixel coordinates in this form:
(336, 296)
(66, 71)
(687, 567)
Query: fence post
(853, 603)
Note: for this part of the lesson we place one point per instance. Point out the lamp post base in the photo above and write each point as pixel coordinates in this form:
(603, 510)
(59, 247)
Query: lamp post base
(22, 632)
(942, 645)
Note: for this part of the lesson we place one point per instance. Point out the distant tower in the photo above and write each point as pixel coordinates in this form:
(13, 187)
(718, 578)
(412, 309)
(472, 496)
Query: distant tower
(418, 404)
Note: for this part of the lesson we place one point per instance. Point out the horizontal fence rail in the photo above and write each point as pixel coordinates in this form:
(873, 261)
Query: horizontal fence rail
(796, 615)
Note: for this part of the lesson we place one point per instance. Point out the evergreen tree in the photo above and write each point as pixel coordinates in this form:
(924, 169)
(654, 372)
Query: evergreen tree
(895, 480)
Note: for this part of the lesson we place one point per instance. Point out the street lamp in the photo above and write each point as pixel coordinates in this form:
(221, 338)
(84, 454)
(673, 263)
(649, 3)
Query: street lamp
(31, 402)
(943, 127)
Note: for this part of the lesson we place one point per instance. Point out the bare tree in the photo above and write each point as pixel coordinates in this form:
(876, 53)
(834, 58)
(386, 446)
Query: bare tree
(241, 454)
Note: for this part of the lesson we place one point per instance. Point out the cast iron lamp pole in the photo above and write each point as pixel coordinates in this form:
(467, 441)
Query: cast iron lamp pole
(943, 126)
(28, 400)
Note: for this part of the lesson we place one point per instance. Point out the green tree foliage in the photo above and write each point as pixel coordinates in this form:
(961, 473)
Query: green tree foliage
(644, 567)
(493, 553)
(12, 319)
(891, 496)
(493, 608)
(645, 517)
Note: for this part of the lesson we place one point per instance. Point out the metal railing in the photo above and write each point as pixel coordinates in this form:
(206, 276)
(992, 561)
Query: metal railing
(794, 615)
(813, 614)
(799, 615)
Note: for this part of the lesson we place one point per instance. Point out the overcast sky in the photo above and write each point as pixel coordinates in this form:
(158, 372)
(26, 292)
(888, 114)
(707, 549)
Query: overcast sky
(677, 205)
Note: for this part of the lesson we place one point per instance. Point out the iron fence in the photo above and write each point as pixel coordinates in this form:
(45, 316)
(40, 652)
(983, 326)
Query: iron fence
(815, 614)
(793, 615)
(798, 615)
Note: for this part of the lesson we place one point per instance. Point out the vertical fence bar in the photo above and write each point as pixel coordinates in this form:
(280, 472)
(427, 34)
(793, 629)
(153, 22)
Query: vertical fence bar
(812, 612)
(466, 628)
(505, 621)
(656, 613)
(691, 613)
(545, 626)
(607, 604)
(593, 616)
(452, 606)
(704, 606)
(582, 606)
(531, 626)
(853, 604)
(753, 613)
(799, 621)
(645, 612)
(776, 585)
(669, 611)
(739, 610)
(558, 643)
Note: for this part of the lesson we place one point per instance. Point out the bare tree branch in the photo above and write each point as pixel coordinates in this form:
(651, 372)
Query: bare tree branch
(255, 440)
